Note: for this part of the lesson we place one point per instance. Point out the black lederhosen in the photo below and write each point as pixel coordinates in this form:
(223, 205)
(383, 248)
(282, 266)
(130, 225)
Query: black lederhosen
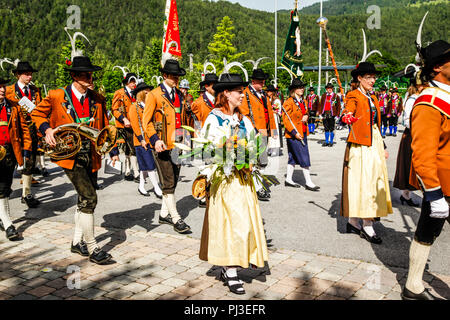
(83, 179)
(328, 121)
(393, 120)
(30, 163)
(312, 115)
(428, 228)
(128, 135)
(384, 120)
(168, 171)
(7, 166)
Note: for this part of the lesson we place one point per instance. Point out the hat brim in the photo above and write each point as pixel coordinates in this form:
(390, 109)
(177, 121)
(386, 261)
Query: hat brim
(355, 73)
(219, 87)
(135, 92)
(207, 82)
(296, 86)
(261, 78)
(180, 73)
(26, 70)
(84, 69)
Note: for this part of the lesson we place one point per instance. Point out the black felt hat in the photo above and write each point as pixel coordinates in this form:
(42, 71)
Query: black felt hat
(383, 88)
(259, 74)
(311, 89)
(172, 66)
(24, 66)
(364, 68)
(128, 76)
(271, 87)
(229, 81)
(209, 78)
(296, 83)
(329, 85)
(82, 64)
(435, 53)
(3, 81)
(141, 86)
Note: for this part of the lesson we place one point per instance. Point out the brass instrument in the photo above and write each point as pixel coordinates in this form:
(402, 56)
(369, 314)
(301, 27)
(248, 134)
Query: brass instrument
(161, 126)
(199, 187)
(2, 152)
(68, 140)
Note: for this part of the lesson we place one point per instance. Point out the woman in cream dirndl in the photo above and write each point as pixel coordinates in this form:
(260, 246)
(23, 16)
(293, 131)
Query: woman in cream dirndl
(365, 186)
(142, 145)
(233, 233)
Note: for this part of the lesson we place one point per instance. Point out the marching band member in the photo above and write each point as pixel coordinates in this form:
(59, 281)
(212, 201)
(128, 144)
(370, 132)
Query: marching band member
(312, 100)
(122, 100)
(77, 104)
(162, 118)
(297, 131)
(330, 107)
(233, 232)
(24, 88)
(365, 183)
(275, 144)
(15, 145)
(395, 108)
(205, 102)
(430, 131)
(383, 98)
(257, 107)
(141, 142)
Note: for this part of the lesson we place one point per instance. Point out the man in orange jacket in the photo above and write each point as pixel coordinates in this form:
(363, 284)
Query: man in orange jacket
(430, 170)
(15, 145)
(76, 103)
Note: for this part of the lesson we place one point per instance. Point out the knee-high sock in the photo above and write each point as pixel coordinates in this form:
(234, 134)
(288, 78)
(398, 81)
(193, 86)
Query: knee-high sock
(26, 185)
(127, 165)
(290, 173)
(418, 255)
(331, 137)
(164, 210)
(395, 129)
(87, 225)
(327, 136)
(154, 180)
(142, 182)
(78, 234)
(314, 126)
(307, 176)
(258, 185)
(172, 207)
(5, 213)
(134, 166)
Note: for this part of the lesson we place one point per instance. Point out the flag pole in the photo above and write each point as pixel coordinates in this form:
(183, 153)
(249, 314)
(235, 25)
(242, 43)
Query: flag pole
(276, 32)
(320, 53)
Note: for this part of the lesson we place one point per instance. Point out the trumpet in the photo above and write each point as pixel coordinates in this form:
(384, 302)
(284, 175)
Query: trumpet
(2, 152)
(68, 140)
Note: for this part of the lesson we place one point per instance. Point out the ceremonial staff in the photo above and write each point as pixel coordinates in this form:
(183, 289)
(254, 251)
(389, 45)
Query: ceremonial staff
(292, 123)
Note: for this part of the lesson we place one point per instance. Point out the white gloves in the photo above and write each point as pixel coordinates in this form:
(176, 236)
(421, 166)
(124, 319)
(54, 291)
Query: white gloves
(439, 209)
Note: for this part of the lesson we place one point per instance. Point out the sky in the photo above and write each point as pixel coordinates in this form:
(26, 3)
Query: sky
(269, 5)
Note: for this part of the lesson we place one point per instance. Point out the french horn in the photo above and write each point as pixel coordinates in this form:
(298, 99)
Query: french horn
(199, 187)
(68, 140)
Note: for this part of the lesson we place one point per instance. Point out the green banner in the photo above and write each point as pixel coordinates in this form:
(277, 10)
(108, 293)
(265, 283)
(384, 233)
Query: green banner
(292, 55)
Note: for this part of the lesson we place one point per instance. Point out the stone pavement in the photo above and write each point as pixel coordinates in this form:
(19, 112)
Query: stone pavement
(159, 266)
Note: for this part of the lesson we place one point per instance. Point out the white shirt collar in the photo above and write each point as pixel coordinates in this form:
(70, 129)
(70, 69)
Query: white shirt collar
(258, 93)
(168, 89)
(210, 96)
(21, 85)
(78, 94)
(443, 86)
(129, 91)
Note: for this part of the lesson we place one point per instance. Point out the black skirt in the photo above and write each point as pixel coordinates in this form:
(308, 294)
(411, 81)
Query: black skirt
(145, 159)
(298, 153)
(401, 180)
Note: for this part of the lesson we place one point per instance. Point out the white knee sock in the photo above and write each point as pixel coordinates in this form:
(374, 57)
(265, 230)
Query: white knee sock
(290, 173)
(172, 207)
(4, 213)
(134, 166)
(368, 227)
(142, 182)
(164, 210)
(26, 185)
(307, 176)
(405, 194)
(78, 233)
(154, 180)
(40, 163)
(231, 273)
(418, 255)
(87, 225)
(127, 165)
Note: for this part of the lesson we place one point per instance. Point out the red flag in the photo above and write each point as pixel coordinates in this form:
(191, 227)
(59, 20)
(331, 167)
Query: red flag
(171, 40)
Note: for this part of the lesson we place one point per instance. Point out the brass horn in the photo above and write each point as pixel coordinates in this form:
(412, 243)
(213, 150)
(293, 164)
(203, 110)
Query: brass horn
(2, 152)
(68, 140)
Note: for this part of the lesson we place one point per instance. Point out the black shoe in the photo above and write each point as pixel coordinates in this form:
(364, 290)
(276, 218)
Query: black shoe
(44, 172)
(146, 194)
(353, 229)
(166, 220)
(408, 202)
(375, 239)
(288, 184)
(315, 189)
(394, 135)
(99, 187)
(201, 204)
(325, 144)
(157, 195)
(384, 137)
(236, 288)
(424, 295)
(129, 177)
(80, 248)
(31, 201)
(137, 179)
(35, 171)
(12, 234)
(181, 226)
(263, 195)
(330, 144)
(99, 256)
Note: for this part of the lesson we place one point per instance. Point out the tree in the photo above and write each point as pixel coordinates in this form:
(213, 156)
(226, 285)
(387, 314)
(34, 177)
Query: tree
(222, 47)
